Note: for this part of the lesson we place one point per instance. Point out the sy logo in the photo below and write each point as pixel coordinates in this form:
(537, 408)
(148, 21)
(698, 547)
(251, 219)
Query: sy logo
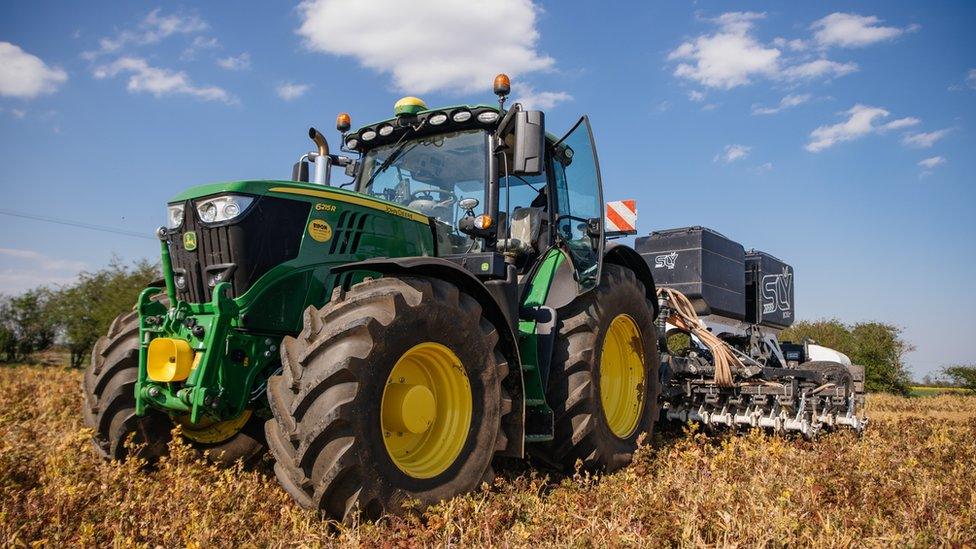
(665, 261)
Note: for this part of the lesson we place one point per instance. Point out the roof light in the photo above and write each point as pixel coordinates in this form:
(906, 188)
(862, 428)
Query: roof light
(368, 135)
(502, 85)
(386, 130)
(409, 105)
(352, 143)
(488, 117)
(343, 122)
(462, 116)
(437, 119)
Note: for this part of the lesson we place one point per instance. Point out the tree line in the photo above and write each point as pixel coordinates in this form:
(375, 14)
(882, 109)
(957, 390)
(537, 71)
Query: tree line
(76, 315)
(877, 346)
(73, 316)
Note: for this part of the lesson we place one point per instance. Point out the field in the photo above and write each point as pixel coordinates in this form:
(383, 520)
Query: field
(910, 480)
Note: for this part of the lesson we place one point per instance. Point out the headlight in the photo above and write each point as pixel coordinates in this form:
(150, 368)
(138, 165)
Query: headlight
(462, 116)
(352, 143)
(175, 217)
(223, 208)
(368, 135)
(386, 130)
(437, 119)
(488, 117)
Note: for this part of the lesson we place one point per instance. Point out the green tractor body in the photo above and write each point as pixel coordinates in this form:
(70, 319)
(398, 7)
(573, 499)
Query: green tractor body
(454, 302)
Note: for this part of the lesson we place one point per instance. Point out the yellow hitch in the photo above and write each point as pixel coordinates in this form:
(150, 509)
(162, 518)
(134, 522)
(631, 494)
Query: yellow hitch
(168, 359)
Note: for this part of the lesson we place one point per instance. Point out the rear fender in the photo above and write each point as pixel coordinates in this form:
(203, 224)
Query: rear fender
(625, 256)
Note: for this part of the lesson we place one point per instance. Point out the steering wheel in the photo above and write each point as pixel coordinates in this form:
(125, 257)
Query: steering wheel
(427, 194)
(582, 227)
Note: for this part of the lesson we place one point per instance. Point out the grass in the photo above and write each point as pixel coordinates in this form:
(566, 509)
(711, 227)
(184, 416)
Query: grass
(910, 480)
(923, 390)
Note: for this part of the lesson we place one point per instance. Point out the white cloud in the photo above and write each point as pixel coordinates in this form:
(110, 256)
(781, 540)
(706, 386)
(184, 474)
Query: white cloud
(924, 140)
(236, 63)
(26, 76)
(906, 122)
(930, 163)
(159, 81)
(732, 56)
(795, 44)
(41, 260)
(787, 102)
(763, 168)
(862, 120)
(454, 46)
(731, 153)
(289, 90)
(151, 30)
(818, 68)
(19, 114)
(728, 58)
(696, 96)
(544, 100)
(199, 43)
(850, 30)
(971, 78)
(22, 270)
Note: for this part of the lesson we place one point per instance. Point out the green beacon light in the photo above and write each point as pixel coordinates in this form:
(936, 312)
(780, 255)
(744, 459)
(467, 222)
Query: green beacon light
(409, 106)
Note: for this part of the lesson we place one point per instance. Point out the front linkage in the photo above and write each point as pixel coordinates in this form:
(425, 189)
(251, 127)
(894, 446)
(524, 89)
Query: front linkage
(192, 359)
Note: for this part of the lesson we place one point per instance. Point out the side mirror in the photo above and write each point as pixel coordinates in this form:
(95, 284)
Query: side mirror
(530, 143)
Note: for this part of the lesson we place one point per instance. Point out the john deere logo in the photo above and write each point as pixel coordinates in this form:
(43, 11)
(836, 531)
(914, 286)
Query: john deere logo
(190, 241)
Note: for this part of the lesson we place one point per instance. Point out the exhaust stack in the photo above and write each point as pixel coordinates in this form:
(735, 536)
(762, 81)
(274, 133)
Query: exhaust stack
(322, 159)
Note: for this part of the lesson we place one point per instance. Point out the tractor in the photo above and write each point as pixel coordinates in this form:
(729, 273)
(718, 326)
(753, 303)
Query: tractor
(388, 337)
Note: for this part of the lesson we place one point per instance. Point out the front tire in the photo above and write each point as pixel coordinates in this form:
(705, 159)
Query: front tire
(603, 386)
(392, 392)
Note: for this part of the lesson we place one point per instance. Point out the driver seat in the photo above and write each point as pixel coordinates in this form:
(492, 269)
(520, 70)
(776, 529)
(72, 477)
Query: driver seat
(526, 225)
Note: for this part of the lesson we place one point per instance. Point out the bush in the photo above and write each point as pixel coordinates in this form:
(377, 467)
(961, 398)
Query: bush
(963, 376)
(875, 345)
(74, 315)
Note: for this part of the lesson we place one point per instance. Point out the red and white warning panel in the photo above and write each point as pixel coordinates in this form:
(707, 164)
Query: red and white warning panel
(621, 217)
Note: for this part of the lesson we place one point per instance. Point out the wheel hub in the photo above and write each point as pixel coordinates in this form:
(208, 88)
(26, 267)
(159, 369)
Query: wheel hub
(410, 408)
(622, 376)
(426, 409)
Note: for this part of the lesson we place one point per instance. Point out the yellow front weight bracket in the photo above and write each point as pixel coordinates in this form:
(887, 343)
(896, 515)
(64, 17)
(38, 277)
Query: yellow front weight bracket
(168, 359)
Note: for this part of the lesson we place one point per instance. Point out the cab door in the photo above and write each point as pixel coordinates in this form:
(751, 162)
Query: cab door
(579, 202)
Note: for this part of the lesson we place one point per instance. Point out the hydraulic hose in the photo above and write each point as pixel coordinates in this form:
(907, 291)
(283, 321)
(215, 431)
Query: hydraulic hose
(684, 317)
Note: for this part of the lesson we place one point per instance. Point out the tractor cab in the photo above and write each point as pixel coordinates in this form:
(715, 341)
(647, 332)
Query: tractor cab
(492, 182)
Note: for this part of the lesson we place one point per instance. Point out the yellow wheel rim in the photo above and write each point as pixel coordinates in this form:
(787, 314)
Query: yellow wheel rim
(426, 410)
(208, 431)
(622, 376)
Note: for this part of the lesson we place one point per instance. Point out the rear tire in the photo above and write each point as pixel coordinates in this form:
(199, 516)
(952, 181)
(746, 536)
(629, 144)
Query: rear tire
(109, 406)
(330, 438)
(586, 428)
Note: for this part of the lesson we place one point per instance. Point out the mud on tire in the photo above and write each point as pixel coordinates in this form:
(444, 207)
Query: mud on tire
(582, 431)
(326, 433)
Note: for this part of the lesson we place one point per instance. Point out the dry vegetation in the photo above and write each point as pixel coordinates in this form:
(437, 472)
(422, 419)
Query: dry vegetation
(911, 480)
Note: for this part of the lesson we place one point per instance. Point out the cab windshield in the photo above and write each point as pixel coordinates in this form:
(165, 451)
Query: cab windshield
(431, 175)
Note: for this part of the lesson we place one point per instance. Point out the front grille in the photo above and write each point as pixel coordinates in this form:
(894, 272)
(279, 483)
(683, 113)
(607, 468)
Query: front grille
(238, 251)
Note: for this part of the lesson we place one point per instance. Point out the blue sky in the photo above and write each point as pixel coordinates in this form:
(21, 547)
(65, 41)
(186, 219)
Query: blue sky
(837, 136)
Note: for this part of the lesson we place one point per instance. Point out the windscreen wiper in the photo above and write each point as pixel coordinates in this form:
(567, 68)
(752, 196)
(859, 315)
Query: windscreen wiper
(393, 156)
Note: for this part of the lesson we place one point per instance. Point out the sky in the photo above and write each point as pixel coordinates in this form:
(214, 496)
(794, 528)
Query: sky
(836, 136)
